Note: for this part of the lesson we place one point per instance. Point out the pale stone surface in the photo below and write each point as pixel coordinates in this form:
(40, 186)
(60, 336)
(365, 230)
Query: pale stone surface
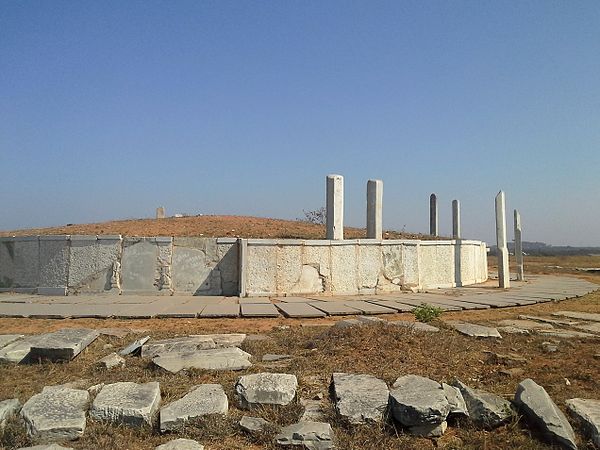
(593, 327)
(313, 410)
(474, 330)
(375, 209)
(63, 345)
(518, 246)
(416, 326)
(19, 262)
(593, 317)
(127, 403)
(533, 400)
(261, 270)
(8, 408)
(180, 444)
(417, 401)
(111, 361)
(433, 215)
(485, 409)
(184, 344)
(211, 359)
(56, 414)
(19, 350)
(312, 435)
(344, 269)
(145, 265)
(588, 412)
(359, 398)
(335, 207)
(224, 340)
(134, 346)
(369, 266)
(6, 339)
(93, 262)
(525, 324)
(458, 407)
(253, 424)
(456, 219)
(503, 269)
(266, 389)
(269, 357)
(429, 430)
(54, 262)
(202, 400)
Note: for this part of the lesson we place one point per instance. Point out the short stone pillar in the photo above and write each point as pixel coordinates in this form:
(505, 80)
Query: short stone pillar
(375, 209)
(335, 207)
(455, 219)
(433, 215)
(503, 268)
(160, 212)
(519, 247)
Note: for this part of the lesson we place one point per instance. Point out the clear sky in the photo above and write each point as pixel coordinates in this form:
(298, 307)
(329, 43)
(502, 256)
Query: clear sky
(110, 109)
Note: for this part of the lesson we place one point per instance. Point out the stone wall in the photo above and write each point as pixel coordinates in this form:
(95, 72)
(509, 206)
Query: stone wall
(363, 266)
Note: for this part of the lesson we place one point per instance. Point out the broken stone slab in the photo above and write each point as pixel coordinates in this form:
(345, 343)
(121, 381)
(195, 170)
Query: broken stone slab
(347, 323)
(63, 345)
(370, 320)
(134, 346)
(587, 411)
(8, 408)
(253, 424)
(201, 401)
(312, 435)
(578, 315)
(359, 398)
(18, 351)
(224, 340)
(185, 344)
(513, 330)
(416, 401)
(474, 330)
(485, 409)
(416, 326)
(593, 327)
(127, 403)
(180, 444)
(549, 320)
(231, 358)
(55, 414)
(539, 409)
(525, 324)
(46, 447)
(111, 361)
(566, 334)
(269, 357)
(266, 389)
(458, 407)
(313, 410)
(6, 339)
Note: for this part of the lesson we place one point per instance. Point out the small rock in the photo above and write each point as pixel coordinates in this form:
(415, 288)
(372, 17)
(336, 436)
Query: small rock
(360, 398)
(266, 389)
(512, 372)
(370, 320)
(347, 323)
(213, 359)
(224, 340)
(415, 326)
(272, 357)
(112, 360)
(508, 359)
(180, 444)
(134, 346)
(312, 435)
(127, 403)
(485, 409)
(538, 407)
(429, 430)
(8, 408)
(202, 400)
(458, 407)
(107, 346)
(549, 347)
(253, 424)
(474, 330)
(186, 344)
(588, 412)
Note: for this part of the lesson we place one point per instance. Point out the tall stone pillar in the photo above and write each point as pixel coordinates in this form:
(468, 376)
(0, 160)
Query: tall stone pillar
(503, 268)
(455, 219)
(160, 212)
(335, 207)
(375, 209)
(433, 215)
(518, 246)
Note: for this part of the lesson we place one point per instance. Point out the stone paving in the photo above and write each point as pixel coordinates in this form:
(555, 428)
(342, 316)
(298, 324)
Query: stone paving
(538, 289)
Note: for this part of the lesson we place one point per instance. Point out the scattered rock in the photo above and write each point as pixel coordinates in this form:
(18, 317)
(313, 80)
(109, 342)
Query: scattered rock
(266, 389)
(588, 412)
(513, 330)
(538, 407)
(134, 346)
(8, 408)
(416, 326)
(525, 324)
(512, 372)
(55, 414)
(202, 400)
(347, 323)
(547, 320)
(419, 404)
(566, 334)
(269, 357)
(458, 407)
(474, 330)
(593, 327)
(224, 340)
(231, 358)
(112, 360)
(63, 345)
(370, 320)
(485, 409)
(6, 339)
(313, 410)
(549, 347)
(127, 403)
(509, 359)
(253, 424)
(360, 398)
(186, 344)
(180, 444)
(312, 435)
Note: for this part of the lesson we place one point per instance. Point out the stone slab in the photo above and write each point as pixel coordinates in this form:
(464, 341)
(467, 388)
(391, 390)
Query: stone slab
(134, 346)
(189, 309)
(416, 401)
(183, 344)
(202, 400)
(485, 409)
(18, 351)
(221, 310)
(259, 310)
(254, 301)
(266, 389)
(295, 299)
(399, 307)
(8, 408)
(335, 308)
(213, 359)
(299, 310)
(127, 403)
(587, 411)
(359, 398)
(416, 302)
(6, 339)
(593, 327)
(226, 339)
(592, 317)
(474, 330)
(180, 444)
(369, 308)
(415, 326)
(310, 435)
(46, 447)
(63, 345)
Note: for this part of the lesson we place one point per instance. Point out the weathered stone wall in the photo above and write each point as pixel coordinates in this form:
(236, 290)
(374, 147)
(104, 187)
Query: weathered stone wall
(363, 266)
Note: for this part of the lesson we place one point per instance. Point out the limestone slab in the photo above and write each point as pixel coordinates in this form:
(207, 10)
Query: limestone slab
(202, 400)
(588, 412)
(259, 310)
(180, 444)
(212, 359)
(416, 401)
(369, 308)
(415, 326)
(184, 344)
(485, 409)
(399, 307)
(474, 330)
(593, 327)
(221, 310)
(134, 346)
(310, 435)
(458, 407)
(525, 324)
(127, 403)
(335, 308)
(592, 317)
(299, 310)
(19, 350)
(226, 339)
(266, 389)
(187, 309)
(359, 398)
(63, 345)
(56, 414)
(6, 339)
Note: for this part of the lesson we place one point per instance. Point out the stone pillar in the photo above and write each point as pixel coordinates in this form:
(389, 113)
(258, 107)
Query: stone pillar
(433, 215)
(375, 209)
(335, 207)
(160, 212)
(518, 247)
(503, 268)
(455, 219)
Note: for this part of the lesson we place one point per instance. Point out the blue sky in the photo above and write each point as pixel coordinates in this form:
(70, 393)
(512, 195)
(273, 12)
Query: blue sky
(109, 109)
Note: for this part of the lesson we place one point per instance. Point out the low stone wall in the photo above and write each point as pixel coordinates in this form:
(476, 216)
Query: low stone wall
(288, 267)
(60, 265)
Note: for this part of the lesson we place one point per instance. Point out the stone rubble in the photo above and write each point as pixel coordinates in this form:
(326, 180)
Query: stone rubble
(111, 361)
(359, 398)
(266, 389)
(587, 411)
(134, 346)
(311, 435)
(46, 447)
(18, 351)
(202, 400)
(458, 407)
(127, 403)
(253, 424)
(485, 409)
(231, 358)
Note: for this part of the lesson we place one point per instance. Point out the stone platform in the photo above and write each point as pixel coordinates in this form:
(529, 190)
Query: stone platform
(537, 289)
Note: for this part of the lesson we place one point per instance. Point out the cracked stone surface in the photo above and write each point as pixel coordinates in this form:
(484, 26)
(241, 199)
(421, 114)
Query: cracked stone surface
(312, 435)
(266, 389)
(56, 414)
(180, 444)
(202, 400)
(127, 403)
(231, 358)
(63, 345)
(485, 409)
(360, 398)
(417, 401)
(588, 412)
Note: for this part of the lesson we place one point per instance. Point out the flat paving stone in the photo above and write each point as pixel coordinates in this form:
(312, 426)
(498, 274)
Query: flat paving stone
(183, 344)
(369, 308)
(190, 309)
(225, 339)
(488, 300)
(592, 317)
(566, 334)
(221, 310)
(295, 299)
(46, 447)
(417, 302)
(593, 327)
(443, 300)
(525, 324)
(180, 444)
(214, 359)
(63, 345)
(474, 330)
(200, 401)
(299, 310)
(335, 308)
(127, 403)
(259, 310)
(399, 307)
(254, 301)
(142, 310)
(549, 320)
(587, 411)
(416, 326)
(6, 339)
